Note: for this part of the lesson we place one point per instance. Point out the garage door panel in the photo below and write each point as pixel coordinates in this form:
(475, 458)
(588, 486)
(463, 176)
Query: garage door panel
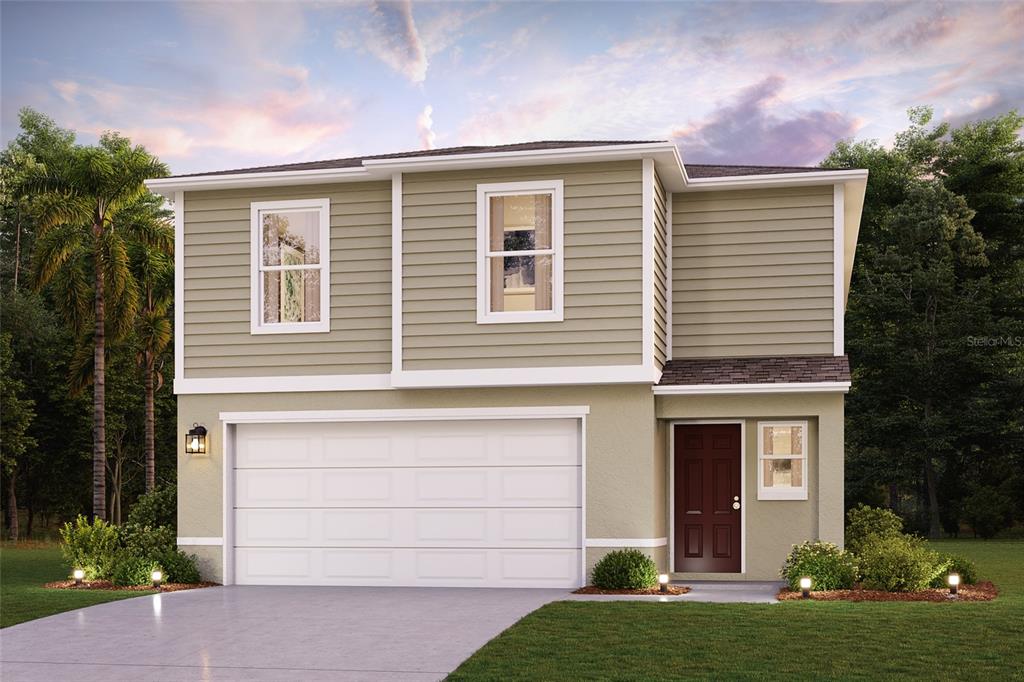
(414, 528)
(555, 486)
(412, 444)
(449, 503)
(410, 567)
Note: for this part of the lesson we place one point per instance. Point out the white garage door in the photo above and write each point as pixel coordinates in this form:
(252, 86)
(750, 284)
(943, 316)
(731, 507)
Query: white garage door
(489, 503)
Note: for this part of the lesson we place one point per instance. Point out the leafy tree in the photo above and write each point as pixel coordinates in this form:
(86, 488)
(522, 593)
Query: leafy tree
(82, 249)
(935, 405)
(16, 415)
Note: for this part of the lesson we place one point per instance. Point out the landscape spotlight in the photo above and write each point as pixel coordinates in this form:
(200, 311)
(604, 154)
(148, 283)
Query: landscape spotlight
(663, 582)
(157, 577)
(954, 583)
(78, 574)
(805, 587)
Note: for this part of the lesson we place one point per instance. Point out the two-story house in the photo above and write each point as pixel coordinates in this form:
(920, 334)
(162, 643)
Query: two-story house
(489, 366)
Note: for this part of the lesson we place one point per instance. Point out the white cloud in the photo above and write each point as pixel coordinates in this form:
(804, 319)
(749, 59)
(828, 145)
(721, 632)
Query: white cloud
(425, 127)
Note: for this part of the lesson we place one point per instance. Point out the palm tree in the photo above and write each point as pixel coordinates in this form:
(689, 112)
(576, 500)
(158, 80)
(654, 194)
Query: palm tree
(152, 263)
(82, 250)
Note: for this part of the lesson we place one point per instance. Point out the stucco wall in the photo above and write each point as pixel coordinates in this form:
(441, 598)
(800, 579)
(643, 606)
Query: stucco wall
(773, 526)
(623, 467)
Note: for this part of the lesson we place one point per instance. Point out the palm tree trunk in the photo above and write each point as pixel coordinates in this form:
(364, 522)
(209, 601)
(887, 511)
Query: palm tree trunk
(99, 394)
(12, 506)
(150, 427)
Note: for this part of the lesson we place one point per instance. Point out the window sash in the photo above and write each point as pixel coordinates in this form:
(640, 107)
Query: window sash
(259, 270)
(800, 459)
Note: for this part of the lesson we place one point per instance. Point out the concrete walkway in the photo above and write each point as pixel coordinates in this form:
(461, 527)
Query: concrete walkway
(267, 633)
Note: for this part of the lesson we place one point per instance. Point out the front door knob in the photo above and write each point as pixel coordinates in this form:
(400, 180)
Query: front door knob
(735, 505)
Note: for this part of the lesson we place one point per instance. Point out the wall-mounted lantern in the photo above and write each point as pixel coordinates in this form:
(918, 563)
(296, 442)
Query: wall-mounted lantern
(195, 441)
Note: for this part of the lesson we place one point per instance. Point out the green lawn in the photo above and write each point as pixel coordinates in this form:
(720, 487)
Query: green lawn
(802, 640)
(23, 570)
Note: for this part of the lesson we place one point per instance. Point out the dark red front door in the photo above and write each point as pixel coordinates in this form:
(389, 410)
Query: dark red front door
(707, 498)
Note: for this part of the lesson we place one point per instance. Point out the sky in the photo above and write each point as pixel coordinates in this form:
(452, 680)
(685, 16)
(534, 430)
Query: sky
(209, 86)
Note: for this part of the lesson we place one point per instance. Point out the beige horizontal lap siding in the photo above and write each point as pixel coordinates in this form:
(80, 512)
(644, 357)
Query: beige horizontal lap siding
(752, 272)
(218, 342)
(603, 272)
(660, 298)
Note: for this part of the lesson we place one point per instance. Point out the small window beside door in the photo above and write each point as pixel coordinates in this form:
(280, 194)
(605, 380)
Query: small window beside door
(519, 252)
(782, 460)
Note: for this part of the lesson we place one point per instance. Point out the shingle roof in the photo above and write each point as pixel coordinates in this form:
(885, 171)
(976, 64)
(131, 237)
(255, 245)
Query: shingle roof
(704, 170)
(356, 161)
(769, 370)
(694, 170)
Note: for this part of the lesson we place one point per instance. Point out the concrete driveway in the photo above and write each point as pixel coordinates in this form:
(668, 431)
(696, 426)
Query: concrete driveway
(267, 633)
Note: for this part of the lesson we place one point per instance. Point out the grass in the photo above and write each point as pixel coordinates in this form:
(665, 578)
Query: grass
(791, 640)
(24, 569)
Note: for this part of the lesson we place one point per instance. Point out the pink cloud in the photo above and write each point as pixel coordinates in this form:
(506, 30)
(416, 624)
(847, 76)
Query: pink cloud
(747, 130)
(425, 127)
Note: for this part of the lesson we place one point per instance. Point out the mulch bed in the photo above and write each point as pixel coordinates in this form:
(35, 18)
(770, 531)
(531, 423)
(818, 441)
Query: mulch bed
(107, 585)
(983, 591)
(672, 590)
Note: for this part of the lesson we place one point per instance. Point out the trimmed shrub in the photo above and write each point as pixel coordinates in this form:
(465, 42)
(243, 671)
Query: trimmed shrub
(147, 542)
(828, 567)
(961, 565)
(864, 522)
(134, 570)
(158, 508)
(179, 567)
(91, 547)
(625, 569)
(901, 563)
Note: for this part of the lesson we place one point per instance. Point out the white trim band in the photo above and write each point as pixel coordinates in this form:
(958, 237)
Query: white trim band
(730, 389)
(523, 376)
(626, 542)
(200, 542)
(284, 384)
(403, 415)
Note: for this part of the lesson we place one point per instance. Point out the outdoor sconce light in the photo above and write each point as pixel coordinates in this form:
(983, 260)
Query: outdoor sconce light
(954, 583)
(79, 574)
(195, 441)
(805, 588)
(663, 582)
(157, 577)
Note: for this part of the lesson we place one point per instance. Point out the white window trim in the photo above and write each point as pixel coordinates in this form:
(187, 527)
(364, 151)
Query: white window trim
(323, 206)
(782, 493)
(483, 282)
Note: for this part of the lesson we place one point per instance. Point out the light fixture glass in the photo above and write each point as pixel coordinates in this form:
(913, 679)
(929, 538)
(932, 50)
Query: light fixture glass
(79, 574)
(196, 441)
(663, 582)
(157, 577)
(805, 587)
(954, 583)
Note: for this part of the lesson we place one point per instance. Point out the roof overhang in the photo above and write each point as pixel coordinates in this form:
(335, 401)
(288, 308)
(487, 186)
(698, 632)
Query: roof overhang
(665, 155)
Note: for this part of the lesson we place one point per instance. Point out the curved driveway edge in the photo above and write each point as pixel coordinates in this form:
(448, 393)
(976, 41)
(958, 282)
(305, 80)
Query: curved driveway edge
(268, 633)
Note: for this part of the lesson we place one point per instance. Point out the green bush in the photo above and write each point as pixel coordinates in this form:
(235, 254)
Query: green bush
(147, 542)
(134, 570)
(828, 567)
(158, 508)
(625, 569)
(901, 563)
(92, 547)
(961, 565)
(864, 522)
(179, 567)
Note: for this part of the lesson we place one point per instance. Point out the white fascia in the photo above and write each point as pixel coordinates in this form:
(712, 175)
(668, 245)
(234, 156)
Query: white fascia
(737, 389)
(775, 180)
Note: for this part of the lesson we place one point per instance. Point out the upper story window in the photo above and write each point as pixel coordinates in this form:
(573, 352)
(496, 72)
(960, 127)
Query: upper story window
(291, 266)
(519, 252)
(782, 460)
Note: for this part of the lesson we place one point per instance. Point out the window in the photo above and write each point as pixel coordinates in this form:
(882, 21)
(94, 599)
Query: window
(782, 460)
(519, 252)
(291, 266)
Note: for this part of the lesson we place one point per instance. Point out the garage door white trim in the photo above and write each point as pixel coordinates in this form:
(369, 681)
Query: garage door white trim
(231, 419)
